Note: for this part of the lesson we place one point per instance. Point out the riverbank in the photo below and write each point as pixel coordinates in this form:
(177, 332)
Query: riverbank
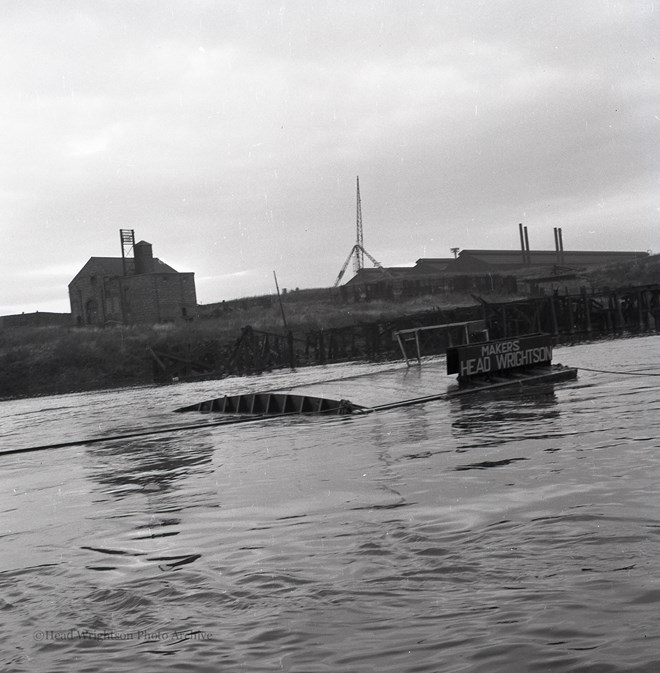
(311, 327)
(55, 360)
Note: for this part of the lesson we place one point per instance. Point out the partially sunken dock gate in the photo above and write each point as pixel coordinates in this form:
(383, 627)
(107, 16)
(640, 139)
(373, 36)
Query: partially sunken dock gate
(480, 367)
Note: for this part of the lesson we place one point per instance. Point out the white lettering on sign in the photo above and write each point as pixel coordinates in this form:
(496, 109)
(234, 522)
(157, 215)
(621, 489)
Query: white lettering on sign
(500, 347)
(505, 355)
(475, 366)
(521, 358)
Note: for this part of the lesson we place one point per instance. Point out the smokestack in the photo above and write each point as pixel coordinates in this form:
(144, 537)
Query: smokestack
(557, 255)
(529, 257)
(144, 257)
(561, 245)
(522, 243)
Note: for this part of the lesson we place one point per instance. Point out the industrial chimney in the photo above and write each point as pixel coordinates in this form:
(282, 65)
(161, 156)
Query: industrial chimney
(144, 258)
(524, 245)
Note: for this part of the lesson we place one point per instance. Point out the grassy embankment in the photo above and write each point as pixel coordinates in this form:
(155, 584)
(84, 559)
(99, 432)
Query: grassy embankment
(45, 360)
(643, 272)
(50, 360)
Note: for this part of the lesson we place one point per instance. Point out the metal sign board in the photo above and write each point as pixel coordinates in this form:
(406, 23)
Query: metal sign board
(499, 355)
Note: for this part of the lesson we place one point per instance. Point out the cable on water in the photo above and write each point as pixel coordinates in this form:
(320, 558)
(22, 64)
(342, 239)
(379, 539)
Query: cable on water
(611, 371)
(132, 435)
(197, 426)
(234, 421)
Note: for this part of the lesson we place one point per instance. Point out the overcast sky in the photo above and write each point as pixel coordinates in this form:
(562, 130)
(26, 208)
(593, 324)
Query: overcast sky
(229, 134)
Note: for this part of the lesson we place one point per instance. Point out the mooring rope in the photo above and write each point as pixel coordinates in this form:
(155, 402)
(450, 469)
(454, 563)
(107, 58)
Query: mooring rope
(234, 421)
(611, 371)
(254, 419)
(136, 434)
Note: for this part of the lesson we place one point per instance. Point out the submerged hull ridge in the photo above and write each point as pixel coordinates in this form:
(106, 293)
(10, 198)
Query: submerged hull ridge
(273, 404)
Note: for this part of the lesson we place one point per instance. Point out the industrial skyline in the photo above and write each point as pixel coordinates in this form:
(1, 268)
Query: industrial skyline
(232, 133)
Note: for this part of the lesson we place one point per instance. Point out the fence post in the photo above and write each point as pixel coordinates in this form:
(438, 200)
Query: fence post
(321, 348)
(291, 352)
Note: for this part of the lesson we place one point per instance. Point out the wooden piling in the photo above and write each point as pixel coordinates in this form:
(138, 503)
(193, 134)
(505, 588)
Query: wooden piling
(569, 313)
(586, 302)
(553, 315)
(640, 310)
(321, 348)
(290, 349)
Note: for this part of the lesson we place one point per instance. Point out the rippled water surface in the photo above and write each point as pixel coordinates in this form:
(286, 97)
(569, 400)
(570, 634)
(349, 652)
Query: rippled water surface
(509, 532)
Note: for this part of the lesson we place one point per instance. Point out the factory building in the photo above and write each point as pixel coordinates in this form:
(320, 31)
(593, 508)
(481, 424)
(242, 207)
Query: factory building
(131, 289)
(477, 271)
(475, 261)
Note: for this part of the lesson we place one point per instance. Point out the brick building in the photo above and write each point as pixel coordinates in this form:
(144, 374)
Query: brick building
(142, 289)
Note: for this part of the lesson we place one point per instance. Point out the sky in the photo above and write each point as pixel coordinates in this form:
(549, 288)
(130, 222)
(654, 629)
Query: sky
(230, 133)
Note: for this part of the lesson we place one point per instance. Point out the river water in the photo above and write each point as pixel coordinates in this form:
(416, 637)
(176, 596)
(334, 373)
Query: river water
(491, 533)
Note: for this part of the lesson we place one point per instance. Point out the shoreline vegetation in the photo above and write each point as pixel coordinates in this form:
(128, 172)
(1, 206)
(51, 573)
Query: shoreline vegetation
(49, 360)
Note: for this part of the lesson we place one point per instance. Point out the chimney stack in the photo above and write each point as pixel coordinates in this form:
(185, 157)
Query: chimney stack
(522, 243)
(529, 256)
(144, 258)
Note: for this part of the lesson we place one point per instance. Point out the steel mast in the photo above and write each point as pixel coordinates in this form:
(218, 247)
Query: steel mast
(358, 262)
(358, 248)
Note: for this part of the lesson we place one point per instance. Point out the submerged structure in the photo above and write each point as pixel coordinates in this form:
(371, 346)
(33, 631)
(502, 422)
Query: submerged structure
(273, 404)
(482, 365)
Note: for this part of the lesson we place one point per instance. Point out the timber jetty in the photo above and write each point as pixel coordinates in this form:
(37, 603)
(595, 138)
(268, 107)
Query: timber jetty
(567, 318)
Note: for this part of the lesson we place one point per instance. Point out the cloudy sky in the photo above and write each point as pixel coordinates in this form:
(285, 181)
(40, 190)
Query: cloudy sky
(229, 134)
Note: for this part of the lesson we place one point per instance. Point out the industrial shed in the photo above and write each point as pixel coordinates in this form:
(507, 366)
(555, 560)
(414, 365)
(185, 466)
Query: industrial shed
(474, 271)
(142, 289)
(475, 261)
(428, 276)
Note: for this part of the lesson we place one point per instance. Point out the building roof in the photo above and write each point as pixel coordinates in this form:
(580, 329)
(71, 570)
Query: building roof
(434, 264)
(375, 274)
(114, 266)
(474, 262)
(483, 259)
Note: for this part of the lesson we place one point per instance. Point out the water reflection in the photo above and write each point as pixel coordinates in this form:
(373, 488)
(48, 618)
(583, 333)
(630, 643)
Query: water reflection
(407, 427)
(361, 543)
(492, 412)
(162, 527)
(149, 465)
(162, 474)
